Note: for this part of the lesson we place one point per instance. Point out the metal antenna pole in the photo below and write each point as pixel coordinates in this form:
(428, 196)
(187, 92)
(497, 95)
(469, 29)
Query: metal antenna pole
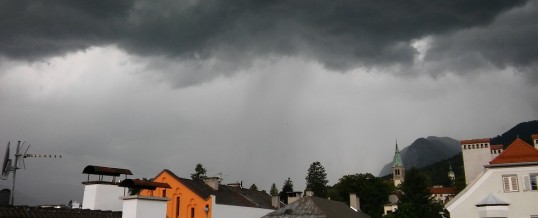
(15, 166)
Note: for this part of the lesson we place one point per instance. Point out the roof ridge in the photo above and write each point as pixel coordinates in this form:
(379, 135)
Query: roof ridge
(517, 152)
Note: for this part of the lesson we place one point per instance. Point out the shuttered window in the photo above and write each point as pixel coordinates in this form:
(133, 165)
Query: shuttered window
(534, 181)
(510, 183)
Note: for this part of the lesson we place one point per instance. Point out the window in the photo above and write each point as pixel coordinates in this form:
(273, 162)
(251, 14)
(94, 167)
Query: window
(533, 183)
(177, 206)
(192, 212)
(510, 183)
(530, 182)
(164, 192)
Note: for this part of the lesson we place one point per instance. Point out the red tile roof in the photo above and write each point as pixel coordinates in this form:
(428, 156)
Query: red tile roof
(518, 152)
(442, 190)
(496, 147)
(474, 141)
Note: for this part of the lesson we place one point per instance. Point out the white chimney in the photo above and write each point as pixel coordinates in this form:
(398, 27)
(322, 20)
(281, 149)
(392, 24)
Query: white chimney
(293, 196)
(275, 201)
(102, 197)
(354, 202)
(103, 193)
(213, 182)
(137, 206)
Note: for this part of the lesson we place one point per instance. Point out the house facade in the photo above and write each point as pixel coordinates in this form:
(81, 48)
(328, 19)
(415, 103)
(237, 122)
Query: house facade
(209, 199)
(507, 187)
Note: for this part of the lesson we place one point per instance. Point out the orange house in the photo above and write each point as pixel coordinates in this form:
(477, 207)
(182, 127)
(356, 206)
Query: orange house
(200, 199)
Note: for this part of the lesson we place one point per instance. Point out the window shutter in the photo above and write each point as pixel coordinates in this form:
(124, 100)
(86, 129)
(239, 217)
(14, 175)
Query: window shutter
(527, 183)
(515, 186)
(506, 183)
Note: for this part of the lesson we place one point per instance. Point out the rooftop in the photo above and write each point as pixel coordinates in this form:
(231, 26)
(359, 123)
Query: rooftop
(227, 195)
(517, 152)
(442, 190)
(496, 147)
(474, 141)
(27, 211)
(309, 207)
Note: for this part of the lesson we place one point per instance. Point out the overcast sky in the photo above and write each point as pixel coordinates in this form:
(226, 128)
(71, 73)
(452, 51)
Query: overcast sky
(255, 90)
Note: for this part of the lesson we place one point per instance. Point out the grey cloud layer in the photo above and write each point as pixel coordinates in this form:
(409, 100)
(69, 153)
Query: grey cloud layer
(340, 34)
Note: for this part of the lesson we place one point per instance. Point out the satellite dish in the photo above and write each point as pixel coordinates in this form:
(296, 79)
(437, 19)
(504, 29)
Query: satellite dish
(6, 164)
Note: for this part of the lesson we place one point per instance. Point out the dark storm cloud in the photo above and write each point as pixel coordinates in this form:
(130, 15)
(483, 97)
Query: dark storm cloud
(339, 34)
(508, 42)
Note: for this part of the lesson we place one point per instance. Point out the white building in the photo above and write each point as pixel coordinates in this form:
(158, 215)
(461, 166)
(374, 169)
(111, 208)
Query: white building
(507, 187)
(476, 154)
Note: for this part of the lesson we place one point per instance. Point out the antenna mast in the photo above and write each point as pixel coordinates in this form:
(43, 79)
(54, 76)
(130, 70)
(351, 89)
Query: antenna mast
(8, 166)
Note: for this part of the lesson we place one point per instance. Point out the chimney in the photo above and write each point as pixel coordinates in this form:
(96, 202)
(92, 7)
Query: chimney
(136, 206)
(275, 201)
(212, 182)
(293, 196)
(354, 202)
(103, 193)
(308, 193)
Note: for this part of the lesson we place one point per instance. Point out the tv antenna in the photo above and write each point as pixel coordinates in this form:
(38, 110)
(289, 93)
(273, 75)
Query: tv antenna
(8, 165)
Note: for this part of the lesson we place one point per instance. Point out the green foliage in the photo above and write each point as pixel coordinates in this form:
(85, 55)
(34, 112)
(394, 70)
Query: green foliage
(316, 180)
(416, 200)
(199, 173)
(372, 191)
(522, 130)
(253, 187)
(438, 173)
(287, 187)
(274, 190)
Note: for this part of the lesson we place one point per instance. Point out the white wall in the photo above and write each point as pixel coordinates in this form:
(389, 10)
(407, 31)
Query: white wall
(474, 161)
(102, 197)
(522, 203)
(144, 207)
(228, 211)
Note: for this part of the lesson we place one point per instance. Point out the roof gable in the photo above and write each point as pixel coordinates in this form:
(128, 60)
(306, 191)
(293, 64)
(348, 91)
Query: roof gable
(225, 194)
(518, 152)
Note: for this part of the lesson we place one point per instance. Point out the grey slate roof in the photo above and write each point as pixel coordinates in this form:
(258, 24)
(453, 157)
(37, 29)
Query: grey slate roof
(227, 195)
(26, 211)
(315, 207)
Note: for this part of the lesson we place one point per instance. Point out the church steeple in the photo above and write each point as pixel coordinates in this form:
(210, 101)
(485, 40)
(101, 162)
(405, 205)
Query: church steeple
(451, 174)
(397, 161)
(398, 170)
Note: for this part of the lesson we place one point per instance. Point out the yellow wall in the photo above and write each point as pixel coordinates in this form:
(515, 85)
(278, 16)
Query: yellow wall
(188, 199)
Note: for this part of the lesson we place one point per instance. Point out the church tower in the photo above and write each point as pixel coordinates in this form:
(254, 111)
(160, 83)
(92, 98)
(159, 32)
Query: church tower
(451, 175)
(398, 170)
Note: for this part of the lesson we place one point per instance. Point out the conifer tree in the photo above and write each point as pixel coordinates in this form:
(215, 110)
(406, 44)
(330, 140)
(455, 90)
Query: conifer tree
(199, 173)
(253, 187)
(274, 190)
(416, 200)
(287, 187)
(316, 180)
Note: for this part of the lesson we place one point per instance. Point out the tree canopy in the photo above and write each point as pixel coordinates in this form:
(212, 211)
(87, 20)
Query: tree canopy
(372, 191)
(286, 187)
(316, 180)
(199, 173)
(416, 200)
(274, 190)
(253, 187)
